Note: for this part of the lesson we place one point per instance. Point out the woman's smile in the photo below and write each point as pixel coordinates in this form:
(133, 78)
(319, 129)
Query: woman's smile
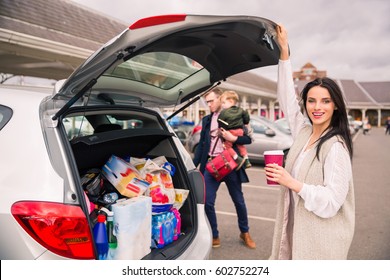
(319, 106)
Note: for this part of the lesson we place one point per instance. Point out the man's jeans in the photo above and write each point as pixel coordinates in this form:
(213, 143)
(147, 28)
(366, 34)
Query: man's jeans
(233, 184)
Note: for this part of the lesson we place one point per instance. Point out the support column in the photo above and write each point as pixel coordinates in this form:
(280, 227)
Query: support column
(379, 117)
(244, 103)
(259, 107)
(196, 113)
(364, 114)
(272, 110)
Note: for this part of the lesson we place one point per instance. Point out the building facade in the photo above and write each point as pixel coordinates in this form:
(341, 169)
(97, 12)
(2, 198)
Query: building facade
(363, 99)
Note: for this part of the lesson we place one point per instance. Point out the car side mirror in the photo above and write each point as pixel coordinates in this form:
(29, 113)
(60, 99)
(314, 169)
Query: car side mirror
(269, 132)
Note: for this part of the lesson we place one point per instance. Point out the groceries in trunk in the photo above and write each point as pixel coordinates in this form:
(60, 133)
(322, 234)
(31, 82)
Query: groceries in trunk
(138, 197)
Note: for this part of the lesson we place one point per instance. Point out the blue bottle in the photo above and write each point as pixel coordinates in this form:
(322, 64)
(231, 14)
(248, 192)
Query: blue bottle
(100, 236)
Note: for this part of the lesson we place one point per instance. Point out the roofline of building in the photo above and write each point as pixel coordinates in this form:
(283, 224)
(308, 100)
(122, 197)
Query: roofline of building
(23, 40)
(255, 92)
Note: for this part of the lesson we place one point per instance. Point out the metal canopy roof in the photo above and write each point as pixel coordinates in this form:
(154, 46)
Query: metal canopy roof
(49, 39)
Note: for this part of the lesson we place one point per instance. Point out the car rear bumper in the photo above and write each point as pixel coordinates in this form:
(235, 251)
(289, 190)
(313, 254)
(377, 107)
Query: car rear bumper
(200, 248)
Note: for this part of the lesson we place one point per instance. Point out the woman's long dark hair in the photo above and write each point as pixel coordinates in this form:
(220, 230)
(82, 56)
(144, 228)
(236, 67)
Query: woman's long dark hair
(339, 122)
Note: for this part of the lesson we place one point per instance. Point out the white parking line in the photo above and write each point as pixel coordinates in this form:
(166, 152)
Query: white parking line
(256, 169)
(356, 135)
(249, 216)
(276, 188)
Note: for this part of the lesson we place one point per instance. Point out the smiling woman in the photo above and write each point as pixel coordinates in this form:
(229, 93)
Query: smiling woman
(317, 191)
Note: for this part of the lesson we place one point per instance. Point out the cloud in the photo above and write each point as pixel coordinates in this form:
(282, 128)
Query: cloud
(348, 39)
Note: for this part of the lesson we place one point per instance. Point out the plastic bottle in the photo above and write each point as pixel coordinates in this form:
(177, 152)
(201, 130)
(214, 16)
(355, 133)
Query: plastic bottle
(178, 223)
(167, 228)
(100, 236)
(110, 198)
(112, 241)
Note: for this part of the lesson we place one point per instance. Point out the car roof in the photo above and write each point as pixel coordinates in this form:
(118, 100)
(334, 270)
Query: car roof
(167, 60)
(14, 94)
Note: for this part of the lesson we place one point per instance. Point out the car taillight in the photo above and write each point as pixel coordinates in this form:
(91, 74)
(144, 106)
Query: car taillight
(196, 129)
(62, 229)
(157, 20)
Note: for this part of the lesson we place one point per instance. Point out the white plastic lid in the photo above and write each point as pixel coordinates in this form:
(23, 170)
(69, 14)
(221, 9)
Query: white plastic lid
(274, 152)
(108, 212)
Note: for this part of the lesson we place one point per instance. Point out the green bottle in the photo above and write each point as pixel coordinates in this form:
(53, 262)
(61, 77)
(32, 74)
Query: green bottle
(112, 242)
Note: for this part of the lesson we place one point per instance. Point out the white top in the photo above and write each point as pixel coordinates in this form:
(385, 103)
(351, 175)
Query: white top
(326, 200)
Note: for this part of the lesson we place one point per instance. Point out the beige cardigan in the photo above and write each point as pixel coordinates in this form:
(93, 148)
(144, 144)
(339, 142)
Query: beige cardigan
(308, 235)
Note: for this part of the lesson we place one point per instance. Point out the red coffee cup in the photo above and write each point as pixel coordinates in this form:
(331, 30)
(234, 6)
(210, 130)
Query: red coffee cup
(275, 156)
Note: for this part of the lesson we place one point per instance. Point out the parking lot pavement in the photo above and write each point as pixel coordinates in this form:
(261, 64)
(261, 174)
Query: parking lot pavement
(261, 204)
(371, 163)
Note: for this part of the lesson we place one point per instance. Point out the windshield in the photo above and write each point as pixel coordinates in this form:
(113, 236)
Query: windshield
(161, 69)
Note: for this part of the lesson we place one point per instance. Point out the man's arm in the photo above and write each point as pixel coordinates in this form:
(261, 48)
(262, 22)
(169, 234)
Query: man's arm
(241, 140)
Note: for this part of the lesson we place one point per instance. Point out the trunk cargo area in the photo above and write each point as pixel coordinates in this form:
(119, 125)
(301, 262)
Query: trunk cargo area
(92, 152)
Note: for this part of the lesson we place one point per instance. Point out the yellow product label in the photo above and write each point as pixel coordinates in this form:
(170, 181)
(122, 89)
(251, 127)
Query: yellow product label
(179, 197)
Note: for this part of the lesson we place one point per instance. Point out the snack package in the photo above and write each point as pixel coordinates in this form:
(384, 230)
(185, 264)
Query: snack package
(161, 199)
(160, 183)
(124, 177)
(162, 162)
(180, 197)
(138, 163)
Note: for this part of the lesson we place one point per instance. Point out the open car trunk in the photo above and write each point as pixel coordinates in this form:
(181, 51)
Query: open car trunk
(136, 133)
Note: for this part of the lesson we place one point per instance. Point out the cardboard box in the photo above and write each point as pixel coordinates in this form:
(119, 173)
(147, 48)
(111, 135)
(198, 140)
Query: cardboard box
(124, 177)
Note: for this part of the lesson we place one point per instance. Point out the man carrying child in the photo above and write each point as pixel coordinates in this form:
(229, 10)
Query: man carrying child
(234, 119)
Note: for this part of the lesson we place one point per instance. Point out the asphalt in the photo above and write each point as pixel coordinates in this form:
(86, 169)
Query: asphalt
(371, 169)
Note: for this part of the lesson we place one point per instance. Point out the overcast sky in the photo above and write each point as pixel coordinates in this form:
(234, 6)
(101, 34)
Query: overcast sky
(350, 39)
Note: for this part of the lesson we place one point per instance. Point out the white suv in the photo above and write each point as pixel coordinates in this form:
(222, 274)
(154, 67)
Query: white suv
(111, 106)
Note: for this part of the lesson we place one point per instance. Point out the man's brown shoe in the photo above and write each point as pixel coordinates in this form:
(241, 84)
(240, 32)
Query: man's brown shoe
(248, 240)
(216, 242)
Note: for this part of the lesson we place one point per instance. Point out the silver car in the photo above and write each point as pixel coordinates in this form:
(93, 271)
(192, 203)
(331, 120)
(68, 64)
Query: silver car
(267, 135)
(111, 105)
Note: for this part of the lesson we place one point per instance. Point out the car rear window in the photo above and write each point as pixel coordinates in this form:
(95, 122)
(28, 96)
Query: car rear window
(161, 69)
(78, 126)
(5, 115)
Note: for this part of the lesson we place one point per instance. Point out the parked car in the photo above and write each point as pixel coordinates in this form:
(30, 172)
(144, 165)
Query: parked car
(159, 62)
(181, 126)
(354, 125)
(193, 138)
(267, 135)
(283, 124)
